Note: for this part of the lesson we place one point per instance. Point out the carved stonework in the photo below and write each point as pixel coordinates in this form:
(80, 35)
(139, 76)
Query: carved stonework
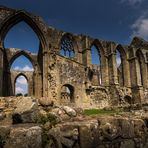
(4, 14)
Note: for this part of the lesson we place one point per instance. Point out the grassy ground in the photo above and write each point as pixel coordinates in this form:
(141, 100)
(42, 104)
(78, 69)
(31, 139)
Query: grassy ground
(90, 112)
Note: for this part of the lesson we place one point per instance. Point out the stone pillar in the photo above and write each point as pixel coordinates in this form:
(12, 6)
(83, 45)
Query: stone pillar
(126, 72)
(113, 77)
(37, 85)
(104, 71)
(147, 75)
(88, 52)
(137, 89)
(1, 72)
(30, 86)
(45, 74)
(79, 56)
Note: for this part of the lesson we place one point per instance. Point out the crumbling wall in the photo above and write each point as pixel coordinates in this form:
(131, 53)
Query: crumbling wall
(53, 70)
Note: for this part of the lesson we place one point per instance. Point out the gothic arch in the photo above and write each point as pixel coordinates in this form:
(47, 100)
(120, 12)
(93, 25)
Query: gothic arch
(20, 53)
(72, 39)
(7, 24)
(14, 83)
(21, 74)
(123, 74)
(19, 16)
(67, 93)
(122, 51)
(99, 46)
(103, 61)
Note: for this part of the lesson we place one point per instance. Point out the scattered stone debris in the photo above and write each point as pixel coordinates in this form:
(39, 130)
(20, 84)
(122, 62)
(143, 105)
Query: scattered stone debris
(26, 111)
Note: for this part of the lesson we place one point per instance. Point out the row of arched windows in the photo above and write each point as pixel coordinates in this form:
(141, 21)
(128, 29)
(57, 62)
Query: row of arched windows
(66, 49)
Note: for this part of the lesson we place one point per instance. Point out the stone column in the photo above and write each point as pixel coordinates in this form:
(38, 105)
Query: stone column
(45, 74)
(30, 86)
(113, 77)
(104, 71)
(126, 72)
(147, 75)
(1, 72)
(37, 82)
(137, 89)
(88, 57)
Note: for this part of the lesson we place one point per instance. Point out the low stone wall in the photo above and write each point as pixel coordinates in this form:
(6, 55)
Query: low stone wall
(65, 127)
(104, 132)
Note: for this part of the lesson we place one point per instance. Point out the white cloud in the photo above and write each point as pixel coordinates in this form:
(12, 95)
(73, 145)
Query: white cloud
(140, 27)
(19, 90)
(21, 80)
(118, 60)
(132, 2)
(16, 68)
(25, 68)
(21, 85)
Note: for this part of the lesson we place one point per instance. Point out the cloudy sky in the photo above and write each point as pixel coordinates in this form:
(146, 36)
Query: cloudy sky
(114, 20)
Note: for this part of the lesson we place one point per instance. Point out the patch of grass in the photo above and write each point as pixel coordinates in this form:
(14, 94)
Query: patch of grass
(49, 118)
(90, 112)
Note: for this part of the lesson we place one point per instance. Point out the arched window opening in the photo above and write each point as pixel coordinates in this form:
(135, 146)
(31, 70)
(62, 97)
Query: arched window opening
(67, 48)
(21, 86)
(119, 66)
(96, 61)
(118, 59)
(67, 94)
(22, 36)
(22, 64)
(95, 56)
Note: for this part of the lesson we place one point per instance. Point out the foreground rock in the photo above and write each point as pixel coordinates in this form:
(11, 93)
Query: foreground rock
(20, 137)
(26, 111)
(64, 113)
(104, 132)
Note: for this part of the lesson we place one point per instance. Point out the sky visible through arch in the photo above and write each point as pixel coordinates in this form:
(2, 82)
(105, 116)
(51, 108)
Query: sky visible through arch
(114, 20)
(23, 64)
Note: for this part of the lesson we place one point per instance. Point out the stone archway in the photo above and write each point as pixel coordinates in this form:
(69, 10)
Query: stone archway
(28, 76)
(41, 72)
(123, 70)
(37, 27)
(67, 94)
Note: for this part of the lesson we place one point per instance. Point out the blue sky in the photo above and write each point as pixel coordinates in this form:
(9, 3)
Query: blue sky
(114, 20)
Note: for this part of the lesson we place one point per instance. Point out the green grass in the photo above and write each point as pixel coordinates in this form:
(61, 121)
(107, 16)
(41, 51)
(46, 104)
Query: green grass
(90, 112)
(49, 118)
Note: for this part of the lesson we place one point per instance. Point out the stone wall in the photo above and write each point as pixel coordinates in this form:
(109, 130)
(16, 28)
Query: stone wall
(91, 85)
(102, 133)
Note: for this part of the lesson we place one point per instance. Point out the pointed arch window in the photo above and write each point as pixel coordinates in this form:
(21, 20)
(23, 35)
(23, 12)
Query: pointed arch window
(67, 48)
(21, 85)
(95, 55)
(22, 36)
(67, 93)
(119, 66)
(96, 62)
(22, 63)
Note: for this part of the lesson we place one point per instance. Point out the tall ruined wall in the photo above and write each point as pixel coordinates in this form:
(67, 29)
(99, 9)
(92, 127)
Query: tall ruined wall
(74, 80)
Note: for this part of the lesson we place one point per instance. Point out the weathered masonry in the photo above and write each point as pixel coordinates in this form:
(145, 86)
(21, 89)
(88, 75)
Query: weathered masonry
(64, 71)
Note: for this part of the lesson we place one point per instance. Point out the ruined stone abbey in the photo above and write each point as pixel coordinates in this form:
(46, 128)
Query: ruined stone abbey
(63, 69)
